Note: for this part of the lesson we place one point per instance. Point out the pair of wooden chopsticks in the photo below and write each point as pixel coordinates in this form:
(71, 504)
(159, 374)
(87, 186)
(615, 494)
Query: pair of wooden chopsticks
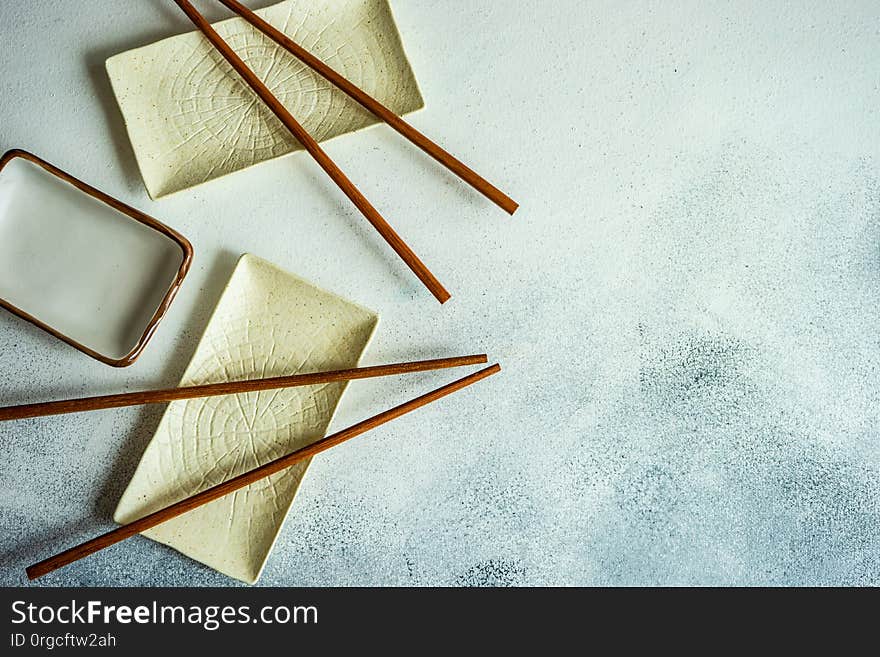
(372, 215)
(114, 401)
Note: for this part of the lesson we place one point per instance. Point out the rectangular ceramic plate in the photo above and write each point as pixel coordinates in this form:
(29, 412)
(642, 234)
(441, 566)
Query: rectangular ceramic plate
(86, 267)
(268, 323)
(191, 119)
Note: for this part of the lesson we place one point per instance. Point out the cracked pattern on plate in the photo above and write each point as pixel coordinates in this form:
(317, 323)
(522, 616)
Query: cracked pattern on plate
(191, 119)
(268, 323)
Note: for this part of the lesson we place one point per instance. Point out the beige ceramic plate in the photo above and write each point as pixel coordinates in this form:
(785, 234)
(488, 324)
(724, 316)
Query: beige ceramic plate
(192, 119)
(268, 323)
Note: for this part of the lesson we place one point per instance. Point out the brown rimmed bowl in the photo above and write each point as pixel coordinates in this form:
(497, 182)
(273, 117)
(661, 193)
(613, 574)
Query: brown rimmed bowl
(82, 265)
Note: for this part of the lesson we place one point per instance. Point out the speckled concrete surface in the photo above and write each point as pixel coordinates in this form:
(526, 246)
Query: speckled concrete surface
(686, 307)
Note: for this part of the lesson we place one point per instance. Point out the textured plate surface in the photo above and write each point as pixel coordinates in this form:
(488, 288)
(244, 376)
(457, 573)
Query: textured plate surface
(192, 119)
(268, 323)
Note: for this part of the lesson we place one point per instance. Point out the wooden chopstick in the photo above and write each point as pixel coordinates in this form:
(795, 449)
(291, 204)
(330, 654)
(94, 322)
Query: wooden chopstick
(229, 388)
(445, 158)
(242, 480)
(353, 193)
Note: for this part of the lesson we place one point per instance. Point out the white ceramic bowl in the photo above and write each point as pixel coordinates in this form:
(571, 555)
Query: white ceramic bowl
(82, 265)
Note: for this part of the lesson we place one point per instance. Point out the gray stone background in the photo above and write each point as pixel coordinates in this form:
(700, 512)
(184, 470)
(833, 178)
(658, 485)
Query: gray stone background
(686, 306)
